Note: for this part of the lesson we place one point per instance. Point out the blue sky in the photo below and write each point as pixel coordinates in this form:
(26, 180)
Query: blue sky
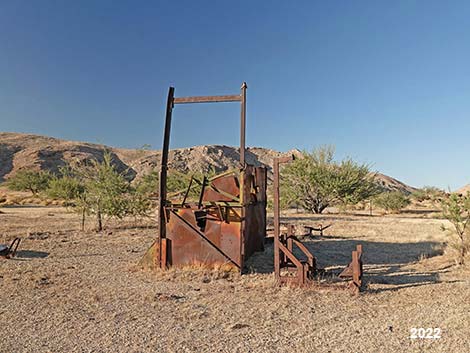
(386, 82)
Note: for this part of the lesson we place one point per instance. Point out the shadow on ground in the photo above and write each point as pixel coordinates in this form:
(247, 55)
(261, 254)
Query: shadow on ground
(31, 254)
(384, 262)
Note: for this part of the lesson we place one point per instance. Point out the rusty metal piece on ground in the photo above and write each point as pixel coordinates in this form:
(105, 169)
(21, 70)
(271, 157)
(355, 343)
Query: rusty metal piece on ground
(354, 270)
(288, 268)
(319, 228)
(227, 224)
(8, 252)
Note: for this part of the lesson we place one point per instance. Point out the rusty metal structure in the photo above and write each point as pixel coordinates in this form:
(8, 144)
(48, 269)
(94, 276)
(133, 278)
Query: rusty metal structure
(318, 228)
(227, 224)
(7, 252)
(288, 267)
(354, 270)
(296, 272)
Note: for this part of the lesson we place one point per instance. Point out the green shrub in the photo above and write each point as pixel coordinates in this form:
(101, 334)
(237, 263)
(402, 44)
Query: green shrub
(393, 201)
(29, 180)
(456, 208)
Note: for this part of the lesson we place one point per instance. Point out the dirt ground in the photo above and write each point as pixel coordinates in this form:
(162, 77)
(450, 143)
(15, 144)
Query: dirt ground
(72, 291)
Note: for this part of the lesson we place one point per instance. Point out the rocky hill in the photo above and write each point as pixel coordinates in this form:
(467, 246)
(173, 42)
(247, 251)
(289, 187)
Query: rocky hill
(392, 184)
(463, 190)
(27, 151)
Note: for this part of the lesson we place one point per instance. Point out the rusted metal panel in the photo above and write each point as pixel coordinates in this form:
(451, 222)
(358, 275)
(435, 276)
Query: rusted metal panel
(255, 229)
(222, 189)
(230, 241)
(189, 245)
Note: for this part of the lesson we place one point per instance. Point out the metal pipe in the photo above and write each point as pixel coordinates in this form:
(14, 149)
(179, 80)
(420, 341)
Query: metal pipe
(243, 124)
(277, 269)
(208, 99)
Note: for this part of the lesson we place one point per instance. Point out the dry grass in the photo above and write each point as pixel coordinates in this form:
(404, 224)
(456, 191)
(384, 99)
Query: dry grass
(23, 198)
(82, 292)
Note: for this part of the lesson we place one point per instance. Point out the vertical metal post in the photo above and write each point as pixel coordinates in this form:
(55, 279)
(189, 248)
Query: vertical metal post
(277, 269)
(243, 176)
(243, 124)
(356, 272)
(277, 215)
(163, 179)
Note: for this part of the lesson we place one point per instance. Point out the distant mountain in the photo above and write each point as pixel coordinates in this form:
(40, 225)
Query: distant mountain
(27, 151)
(392, 184)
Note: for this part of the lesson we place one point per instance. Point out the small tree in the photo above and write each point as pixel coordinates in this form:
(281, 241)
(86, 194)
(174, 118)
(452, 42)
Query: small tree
(29, 180)
(65, 186)
(315, 181)
(393, 201)
(456, 209)
(105, 189)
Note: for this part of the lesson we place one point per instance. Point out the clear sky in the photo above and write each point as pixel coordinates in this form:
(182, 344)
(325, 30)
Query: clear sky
(386, 82)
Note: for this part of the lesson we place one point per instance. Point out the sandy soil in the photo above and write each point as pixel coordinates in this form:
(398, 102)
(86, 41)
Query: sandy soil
(72, 291)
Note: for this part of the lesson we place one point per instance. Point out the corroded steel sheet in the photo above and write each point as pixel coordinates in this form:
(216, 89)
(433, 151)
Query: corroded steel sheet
(222, 189)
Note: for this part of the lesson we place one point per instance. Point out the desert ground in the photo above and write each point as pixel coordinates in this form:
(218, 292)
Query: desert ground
(73, 291)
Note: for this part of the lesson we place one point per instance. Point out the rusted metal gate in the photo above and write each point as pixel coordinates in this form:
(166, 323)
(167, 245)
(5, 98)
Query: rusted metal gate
(228, 224)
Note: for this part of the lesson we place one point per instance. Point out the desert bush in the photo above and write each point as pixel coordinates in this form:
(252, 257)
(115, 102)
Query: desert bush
(391, 201)
(456, 209)
(93, 188)
(428, 193)
(105, 189)
(29, 180)
(97, 189)
(66, 186)
(148, 184)
(315, 181)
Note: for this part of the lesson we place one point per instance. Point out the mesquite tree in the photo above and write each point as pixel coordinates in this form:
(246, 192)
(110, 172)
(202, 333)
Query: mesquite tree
(315, 181)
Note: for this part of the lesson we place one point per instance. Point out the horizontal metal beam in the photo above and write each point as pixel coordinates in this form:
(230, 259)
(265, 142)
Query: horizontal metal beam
(207, 99)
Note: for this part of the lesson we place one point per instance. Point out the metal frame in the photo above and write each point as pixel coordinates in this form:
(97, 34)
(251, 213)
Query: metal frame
(227, 222)
(171, 101)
